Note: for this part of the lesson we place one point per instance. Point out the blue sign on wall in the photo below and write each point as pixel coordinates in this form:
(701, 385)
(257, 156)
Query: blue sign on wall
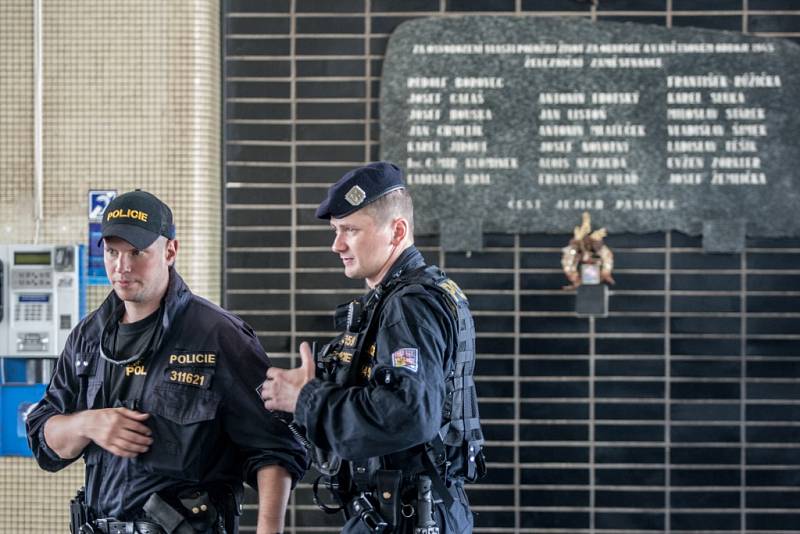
(98, 202)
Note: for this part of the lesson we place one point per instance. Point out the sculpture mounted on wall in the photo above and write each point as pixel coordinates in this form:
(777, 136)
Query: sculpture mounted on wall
(587, 259)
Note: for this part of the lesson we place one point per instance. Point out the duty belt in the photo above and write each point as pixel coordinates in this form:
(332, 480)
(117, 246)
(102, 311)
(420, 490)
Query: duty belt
(112, 526)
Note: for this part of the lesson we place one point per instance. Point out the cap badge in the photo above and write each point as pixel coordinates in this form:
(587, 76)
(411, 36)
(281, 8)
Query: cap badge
(355, 196)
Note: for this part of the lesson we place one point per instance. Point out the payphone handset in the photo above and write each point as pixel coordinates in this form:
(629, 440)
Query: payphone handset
(42, 298)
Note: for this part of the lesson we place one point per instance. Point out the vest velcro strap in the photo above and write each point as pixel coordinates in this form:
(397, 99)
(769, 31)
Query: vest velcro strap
(429, 462)
(462, 382)
(472, 423)
(463, 429)
(463, 355)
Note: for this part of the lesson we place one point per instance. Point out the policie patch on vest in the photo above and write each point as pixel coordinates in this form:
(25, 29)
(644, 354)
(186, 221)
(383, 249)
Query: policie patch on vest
(406, 358)
(196, 359)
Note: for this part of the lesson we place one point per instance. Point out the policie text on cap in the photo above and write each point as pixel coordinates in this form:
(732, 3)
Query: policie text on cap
(139, 218)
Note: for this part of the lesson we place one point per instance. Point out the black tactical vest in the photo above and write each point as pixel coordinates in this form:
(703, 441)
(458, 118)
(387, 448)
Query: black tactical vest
(460, 438)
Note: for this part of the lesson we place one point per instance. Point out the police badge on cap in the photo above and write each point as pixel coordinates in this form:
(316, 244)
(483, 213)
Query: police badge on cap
(359, 187)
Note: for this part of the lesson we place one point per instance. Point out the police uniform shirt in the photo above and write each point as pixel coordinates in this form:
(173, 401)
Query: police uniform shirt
(123, 384)
(209, 427)
(400, 403)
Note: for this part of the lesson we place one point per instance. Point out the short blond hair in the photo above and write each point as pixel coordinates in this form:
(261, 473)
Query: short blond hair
(394, 204)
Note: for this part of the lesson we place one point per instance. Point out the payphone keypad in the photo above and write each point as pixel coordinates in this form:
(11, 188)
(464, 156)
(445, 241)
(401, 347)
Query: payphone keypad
(33, 307)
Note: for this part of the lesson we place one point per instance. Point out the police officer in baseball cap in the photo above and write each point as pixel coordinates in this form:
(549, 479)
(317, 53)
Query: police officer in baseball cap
(156, 390)
(394, 406)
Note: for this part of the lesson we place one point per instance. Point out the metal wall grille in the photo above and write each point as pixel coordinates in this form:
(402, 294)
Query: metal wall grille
(679, 412)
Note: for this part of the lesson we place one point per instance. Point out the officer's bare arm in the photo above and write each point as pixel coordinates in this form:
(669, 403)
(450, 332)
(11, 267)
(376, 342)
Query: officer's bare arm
(274, 486)
(120, 431)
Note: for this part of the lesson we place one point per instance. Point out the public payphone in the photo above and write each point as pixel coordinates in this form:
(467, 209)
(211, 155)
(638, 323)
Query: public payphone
(40, 289)
(40, 303)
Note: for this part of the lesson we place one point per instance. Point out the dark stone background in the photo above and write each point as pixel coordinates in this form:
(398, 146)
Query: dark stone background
(513, 130)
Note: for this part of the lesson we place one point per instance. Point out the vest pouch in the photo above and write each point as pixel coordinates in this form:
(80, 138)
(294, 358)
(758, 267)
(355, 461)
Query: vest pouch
(182, 421)
(86, 369)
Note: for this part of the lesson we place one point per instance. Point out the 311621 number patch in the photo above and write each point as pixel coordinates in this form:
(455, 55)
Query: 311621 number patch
(188, 378)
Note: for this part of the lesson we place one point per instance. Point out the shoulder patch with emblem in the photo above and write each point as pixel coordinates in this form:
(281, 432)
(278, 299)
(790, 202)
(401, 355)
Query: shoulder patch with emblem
(406, 358)
(453, 289)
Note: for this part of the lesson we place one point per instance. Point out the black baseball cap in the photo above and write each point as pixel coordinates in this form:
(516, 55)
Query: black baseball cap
(139, 218)
(359, 187)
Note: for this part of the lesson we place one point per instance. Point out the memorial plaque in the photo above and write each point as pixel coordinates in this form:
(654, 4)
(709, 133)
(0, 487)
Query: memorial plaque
(519, 124)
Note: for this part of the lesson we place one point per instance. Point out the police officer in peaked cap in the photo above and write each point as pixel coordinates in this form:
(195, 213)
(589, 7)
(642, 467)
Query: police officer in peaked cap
(389, 405)
(155, 389)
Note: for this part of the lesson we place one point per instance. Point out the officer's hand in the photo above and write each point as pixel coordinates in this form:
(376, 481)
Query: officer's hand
(120, 431)
(282, 386)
